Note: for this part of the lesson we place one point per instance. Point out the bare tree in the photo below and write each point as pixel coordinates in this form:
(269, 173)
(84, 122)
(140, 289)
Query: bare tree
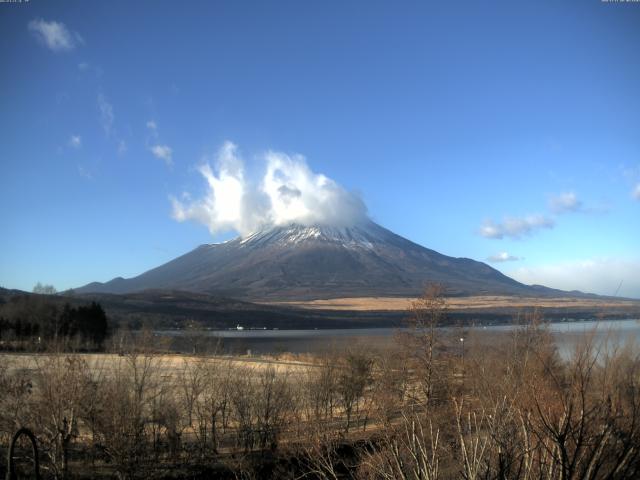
(273, 404)
(214, 407)
(129, 392)
(390, 384)
(426, 314)
(353, 379)
(409, 450)
(44, 289)
(242, 395)
(61, 384)
(15, 402)
(321, 389)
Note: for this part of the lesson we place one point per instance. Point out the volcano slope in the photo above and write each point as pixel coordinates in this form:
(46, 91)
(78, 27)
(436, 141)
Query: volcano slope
(294, 262)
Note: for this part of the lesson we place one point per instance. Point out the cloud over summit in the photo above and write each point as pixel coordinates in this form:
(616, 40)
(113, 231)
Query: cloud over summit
(287, 191)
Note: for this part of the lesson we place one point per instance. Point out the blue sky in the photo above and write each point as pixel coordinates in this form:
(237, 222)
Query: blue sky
(492, 130)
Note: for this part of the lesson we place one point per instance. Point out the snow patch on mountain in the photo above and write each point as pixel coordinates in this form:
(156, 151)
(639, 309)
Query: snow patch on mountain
(363, 236)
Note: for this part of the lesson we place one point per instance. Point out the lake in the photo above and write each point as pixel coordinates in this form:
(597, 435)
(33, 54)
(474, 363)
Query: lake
(566, 334)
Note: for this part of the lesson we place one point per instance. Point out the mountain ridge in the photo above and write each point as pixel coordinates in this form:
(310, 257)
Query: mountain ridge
(307, 262)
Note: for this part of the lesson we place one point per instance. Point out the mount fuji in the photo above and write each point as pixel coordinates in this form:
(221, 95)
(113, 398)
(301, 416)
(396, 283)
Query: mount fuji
(296, 262)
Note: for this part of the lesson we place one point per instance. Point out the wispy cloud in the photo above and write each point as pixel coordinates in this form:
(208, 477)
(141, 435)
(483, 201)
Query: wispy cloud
(566, 202)
(503, 257)
(514, 227)
(605, 276)
(630, 172)
(122, 147)
(106, 114)
(159, 150)
(75, 141)
(54, 35)
(85, 67)
(518, 227)
(84, 173)
(107, 119)
(163, 152)
(632, 175)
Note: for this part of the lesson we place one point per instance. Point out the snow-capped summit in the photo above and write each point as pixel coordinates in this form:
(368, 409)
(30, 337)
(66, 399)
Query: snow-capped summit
(363, 235)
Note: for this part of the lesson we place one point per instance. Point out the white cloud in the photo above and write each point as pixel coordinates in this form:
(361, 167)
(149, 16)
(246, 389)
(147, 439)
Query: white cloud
(503, 257)
(86, 67)
(518, 227)
(83, 172)
(54, 35)
(152, 125)
(122, 147)
(106, 114)
(287, 192)
(163, 152)
(75, 141)
(565, 202)
(636, 192)
(296, 194)
(599, 275)
(515, 227)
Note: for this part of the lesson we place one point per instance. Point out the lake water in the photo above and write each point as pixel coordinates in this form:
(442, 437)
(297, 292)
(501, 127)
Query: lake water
(566, 334)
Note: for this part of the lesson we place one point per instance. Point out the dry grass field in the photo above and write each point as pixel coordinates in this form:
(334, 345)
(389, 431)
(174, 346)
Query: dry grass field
(167, 365)
(462, 303)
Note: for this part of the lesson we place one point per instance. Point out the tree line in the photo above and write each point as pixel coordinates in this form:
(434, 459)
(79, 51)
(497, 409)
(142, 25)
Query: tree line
(33, 319)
